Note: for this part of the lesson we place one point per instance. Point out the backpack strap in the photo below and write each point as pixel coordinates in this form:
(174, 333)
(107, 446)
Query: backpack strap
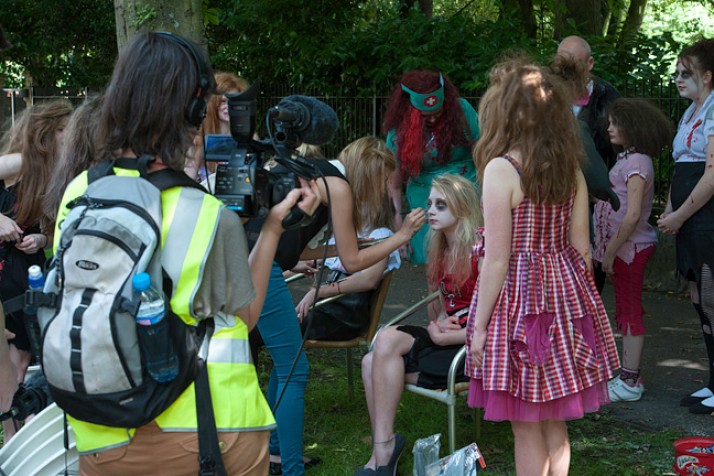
(100, 170)
(104, 169)
(167, 178)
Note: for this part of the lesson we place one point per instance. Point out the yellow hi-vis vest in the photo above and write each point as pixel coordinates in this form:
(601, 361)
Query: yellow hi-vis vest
(190, 219)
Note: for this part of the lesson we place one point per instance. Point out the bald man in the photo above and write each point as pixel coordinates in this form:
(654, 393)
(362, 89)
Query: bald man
(592, 107)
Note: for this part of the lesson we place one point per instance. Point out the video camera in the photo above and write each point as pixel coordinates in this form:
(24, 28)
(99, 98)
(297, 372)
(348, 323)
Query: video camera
(242, 182)
(30, 398)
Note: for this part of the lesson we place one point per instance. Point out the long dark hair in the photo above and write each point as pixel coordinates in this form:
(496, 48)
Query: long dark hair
(39, 151)
(144, 105)
(77, 153)
(645, 128)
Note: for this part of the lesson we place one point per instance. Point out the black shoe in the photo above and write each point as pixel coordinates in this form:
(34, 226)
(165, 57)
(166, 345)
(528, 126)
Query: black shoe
(277, 468)
(700, 409)
(391, 468)
(690, 399)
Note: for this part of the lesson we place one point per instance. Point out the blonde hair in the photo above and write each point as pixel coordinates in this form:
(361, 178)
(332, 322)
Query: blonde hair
(463, 202)
(368, 163)
(528, 109)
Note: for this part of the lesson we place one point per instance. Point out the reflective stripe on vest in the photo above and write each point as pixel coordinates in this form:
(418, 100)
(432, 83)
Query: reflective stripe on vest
(184, 254)
(238, 403)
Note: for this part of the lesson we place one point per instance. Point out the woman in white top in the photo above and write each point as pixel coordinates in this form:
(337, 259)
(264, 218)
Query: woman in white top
(690, 208)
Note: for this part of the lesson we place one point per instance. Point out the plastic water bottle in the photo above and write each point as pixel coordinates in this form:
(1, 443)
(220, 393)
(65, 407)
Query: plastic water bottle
(35, 277)
(154, 336)
(36, 282)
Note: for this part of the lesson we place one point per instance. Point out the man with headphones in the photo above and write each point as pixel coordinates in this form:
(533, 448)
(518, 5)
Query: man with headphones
(152, 106)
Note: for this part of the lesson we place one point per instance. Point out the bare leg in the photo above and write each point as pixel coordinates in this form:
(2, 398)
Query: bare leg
(369, 397)
(632, 350)
(383, 377)
(530, 448)
(558, 444)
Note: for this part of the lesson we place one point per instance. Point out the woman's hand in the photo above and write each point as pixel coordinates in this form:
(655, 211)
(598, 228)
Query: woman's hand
(9, 230)
(33, 243)
(308, 267)
(608, 262)
(304, 305)
(412, 223)
(435, 332)
(448, 324)
(478, 346)
(669, 223)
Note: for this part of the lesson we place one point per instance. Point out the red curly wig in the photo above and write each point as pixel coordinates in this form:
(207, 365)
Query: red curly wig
(450, 131)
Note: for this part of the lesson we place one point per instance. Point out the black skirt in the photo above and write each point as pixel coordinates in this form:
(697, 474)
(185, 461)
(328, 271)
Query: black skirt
(432, 361)
(695, 240)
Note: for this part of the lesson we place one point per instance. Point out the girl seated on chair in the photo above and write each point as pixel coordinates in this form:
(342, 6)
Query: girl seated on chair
(367, 164)
(422, 355)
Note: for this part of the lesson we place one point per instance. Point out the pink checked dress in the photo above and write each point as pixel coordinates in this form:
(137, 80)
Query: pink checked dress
(550, 349)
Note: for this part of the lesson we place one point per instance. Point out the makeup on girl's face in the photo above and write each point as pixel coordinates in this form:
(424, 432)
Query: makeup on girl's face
(439, 215)
(687, 81)
(615, 133)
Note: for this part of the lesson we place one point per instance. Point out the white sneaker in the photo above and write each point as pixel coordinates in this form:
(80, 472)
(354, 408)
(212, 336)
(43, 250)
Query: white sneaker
(619, 391)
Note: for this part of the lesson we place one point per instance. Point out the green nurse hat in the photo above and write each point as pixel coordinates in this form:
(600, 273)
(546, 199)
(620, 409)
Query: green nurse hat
(429, 101)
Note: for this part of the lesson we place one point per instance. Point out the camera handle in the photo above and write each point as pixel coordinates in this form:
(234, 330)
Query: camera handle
(302, 168)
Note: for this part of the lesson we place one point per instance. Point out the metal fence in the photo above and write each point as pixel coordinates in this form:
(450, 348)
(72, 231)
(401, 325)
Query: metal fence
(359, 116)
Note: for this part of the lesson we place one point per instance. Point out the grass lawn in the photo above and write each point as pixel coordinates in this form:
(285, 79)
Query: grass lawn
(337, 430)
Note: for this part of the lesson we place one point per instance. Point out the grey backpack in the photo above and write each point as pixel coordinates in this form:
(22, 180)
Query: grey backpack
(90, 351)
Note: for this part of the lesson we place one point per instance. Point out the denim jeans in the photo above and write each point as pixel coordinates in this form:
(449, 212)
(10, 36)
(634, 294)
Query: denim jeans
(280, 330)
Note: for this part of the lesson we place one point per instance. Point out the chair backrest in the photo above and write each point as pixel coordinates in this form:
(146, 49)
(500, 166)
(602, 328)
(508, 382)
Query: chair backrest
(376, 305)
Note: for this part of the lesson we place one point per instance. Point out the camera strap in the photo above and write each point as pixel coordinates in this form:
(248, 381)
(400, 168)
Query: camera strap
(210, 460)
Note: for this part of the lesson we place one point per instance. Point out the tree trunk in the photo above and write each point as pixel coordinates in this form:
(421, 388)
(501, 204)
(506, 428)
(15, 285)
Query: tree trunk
(586, 16)
(184, 17)
(427, 7)
(523, 9)
(633, 21)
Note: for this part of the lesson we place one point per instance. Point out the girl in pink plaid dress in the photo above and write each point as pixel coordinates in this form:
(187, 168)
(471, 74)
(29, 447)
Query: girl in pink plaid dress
(541, 348)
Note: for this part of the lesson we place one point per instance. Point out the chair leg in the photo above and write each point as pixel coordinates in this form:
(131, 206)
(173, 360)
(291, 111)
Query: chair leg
(451, 417)
(350, 382)
(479, 417)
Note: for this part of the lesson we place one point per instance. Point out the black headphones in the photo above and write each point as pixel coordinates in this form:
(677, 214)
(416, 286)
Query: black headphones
(196, 108)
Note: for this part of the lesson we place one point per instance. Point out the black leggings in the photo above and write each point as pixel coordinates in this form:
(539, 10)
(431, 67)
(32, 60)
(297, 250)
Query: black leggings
(705, 309)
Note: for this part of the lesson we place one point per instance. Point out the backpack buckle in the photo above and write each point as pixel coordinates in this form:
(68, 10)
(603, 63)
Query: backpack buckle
(35, 298)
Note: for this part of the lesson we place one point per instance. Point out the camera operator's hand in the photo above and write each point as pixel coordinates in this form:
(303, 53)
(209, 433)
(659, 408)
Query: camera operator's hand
(306, 198)
(412, 223)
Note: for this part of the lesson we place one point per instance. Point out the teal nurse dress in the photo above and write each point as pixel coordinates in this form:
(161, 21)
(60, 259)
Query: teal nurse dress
(418, 187)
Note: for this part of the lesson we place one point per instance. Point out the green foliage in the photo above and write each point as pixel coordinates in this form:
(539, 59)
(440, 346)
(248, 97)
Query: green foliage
(145, 14)
(67, 45)
(343, 48)
(643, 57)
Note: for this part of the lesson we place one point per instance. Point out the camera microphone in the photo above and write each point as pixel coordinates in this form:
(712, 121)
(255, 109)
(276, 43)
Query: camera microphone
(314, 121)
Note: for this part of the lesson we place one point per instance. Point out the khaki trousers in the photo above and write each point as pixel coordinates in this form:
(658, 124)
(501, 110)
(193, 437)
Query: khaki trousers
(155, 452)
